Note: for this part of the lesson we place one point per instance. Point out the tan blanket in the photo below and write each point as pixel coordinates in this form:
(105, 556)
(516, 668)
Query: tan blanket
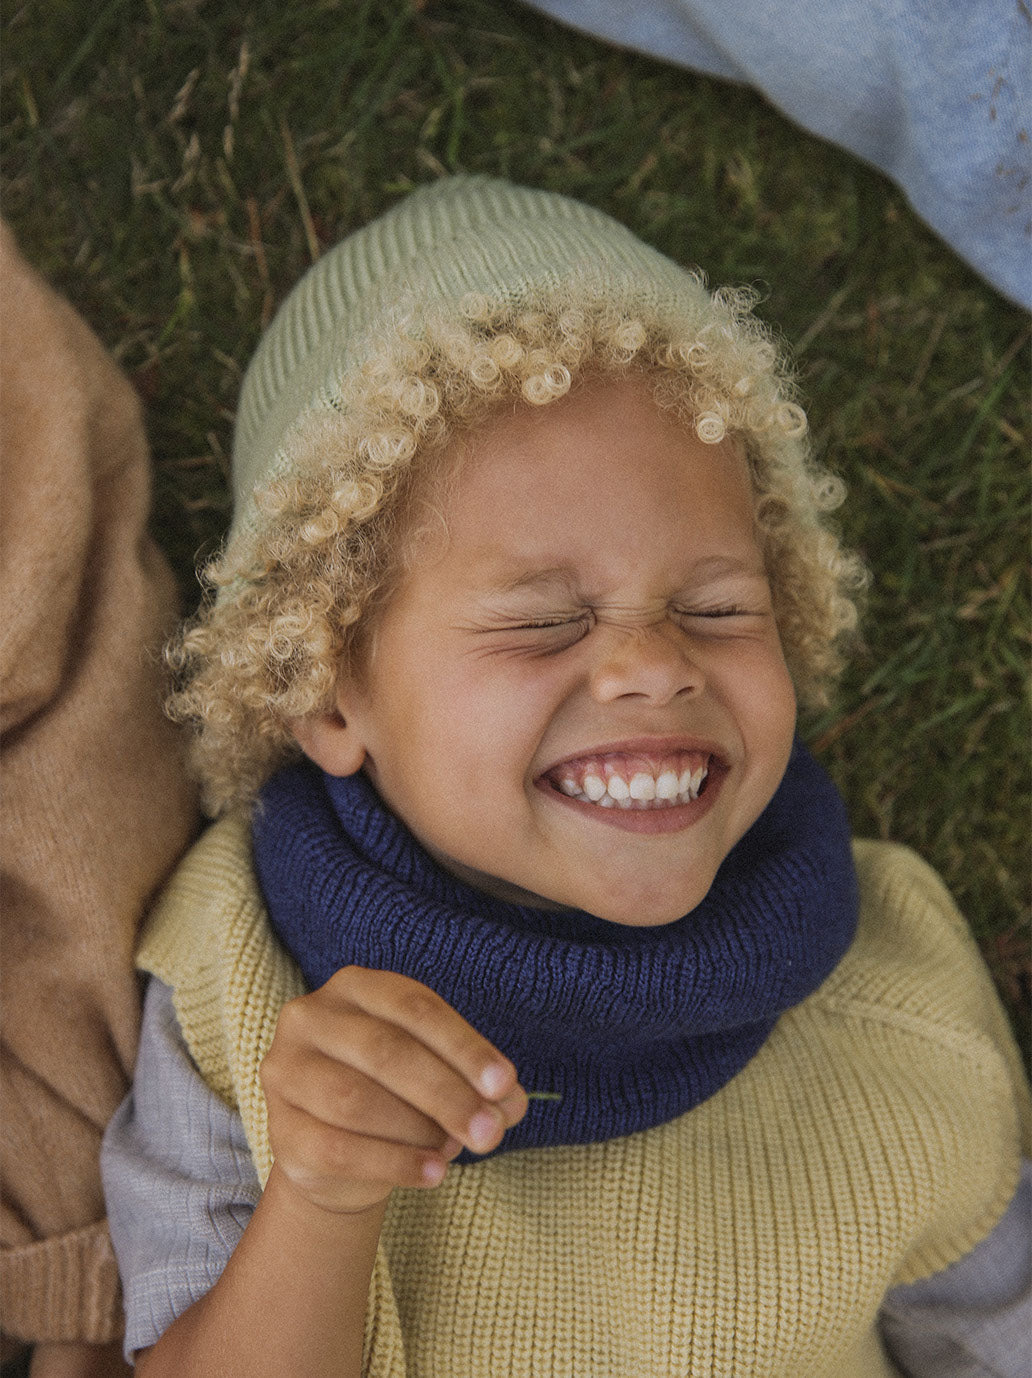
(95, 807)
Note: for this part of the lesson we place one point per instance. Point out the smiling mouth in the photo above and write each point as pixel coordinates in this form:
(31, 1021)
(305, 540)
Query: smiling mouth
(633, 782)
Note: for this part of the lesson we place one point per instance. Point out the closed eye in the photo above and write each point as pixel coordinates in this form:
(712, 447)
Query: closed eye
(542, 635)
(563, 628)
(732, 610)
(550, 622)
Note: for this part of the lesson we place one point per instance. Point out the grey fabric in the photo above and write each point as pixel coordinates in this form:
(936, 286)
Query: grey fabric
(178, 1179)
(973, 1320)
(181, 1187)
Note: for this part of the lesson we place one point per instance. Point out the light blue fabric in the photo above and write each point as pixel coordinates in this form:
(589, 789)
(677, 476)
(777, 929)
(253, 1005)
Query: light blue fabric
(937, 94)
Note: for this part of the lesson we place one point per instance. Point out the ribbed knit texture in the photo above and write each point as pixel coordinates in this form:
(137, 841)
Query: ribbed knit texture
(459, 236)
(872, 1140)
(629, 1026)
(64, 1288)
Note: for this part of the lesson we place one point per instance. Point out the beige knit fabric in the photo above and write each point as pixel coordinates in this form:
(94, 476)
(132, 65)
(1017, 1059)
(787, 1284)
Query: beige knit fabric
(874, 1140)
(95, 807)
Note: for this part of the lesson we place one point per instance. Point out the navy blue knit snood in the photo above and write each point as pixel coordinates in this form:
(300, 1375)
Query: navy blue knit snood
(631, 1027)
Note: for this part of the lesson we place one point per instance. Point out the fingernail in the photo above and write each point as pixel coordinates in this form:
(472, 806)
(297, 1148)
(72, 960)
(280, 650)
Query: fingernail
(433, 1173)
(483, 1129)
(493, 1078)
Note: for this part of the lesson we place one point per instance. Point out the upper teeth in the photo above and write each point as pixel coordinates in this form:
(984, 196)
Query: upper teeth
(668, 785)
(634, 782)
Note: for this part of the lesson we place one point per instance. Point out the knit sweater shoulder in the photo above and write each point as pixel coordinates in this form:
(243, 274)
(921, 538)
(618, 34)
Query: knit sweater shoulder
(873, 1140)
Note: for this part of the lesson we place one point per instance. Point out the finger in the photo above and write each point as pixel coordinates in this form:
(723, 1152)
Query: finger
(320, 1158)
(514, 1106)
(405, 1067)
(343, 1097)
(424, 1014)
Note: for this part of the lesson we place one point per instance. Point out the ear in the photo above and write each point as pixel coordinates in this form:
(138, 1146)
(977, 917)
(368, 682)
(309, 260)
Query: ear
(328, 740)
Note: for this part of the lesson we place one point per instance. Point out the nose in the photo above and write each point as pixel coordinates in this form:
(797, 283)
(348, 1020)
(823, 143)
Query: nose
(652, 663)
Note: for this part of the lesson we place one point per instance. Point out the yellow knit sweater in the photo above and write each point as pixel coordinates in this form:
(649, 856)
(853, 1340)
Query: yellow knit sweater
(874, 1140)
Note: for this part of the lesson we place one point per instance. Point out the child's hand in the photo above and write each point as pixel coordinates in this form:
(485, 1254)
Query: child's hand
(374, 1082)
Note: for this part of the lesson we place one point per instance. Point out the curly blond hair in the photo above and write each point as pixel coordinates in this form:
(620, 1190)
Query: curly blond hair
(291, 599)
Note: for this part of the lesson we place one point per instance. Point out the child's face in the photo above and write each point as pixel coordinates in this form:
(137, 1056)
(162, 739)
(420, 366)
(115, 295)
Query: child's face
(599, 612)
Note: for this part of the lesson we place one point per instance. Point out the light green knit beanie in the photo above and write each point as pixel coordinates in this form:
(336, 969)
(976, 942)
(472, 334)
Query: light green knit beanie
(465, 235)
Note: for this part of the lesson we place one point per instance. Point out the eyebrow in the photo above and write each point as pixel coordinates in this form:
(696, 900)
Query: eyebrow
(709, 567)
(534, 578)
(714, 566)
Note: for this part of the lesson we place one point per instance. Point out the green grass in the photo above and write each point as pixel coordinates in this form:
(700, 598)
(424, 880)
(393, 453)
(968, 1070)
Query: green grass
(173, 167)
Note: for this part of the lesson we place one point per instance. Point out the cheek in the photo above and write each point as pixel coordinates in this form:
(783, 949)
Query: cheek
(766, 702)
(463, 722)
(776, 712)
(494, 716)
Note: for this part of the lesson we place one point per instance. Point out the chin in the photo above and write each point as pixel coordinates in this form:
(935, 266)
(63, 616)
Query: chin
(647, 912)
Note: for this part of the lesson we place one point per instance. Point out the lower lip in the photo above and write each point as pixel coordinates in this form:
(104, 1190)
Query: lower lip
(668, 820)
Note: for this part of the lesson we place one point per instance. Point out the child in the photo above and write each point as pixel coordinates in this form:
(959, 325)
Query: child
(613, 1062)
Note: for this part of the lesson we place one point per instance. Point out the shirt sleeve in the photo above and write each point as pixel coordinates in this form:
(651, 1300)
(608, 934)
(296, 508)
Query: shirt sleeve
(178, 1179)
(974, 1319)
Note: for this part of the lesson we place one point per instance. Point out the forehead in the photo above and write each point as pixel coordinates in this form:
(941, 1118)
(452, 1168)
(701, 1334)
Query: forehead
(604, 470)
